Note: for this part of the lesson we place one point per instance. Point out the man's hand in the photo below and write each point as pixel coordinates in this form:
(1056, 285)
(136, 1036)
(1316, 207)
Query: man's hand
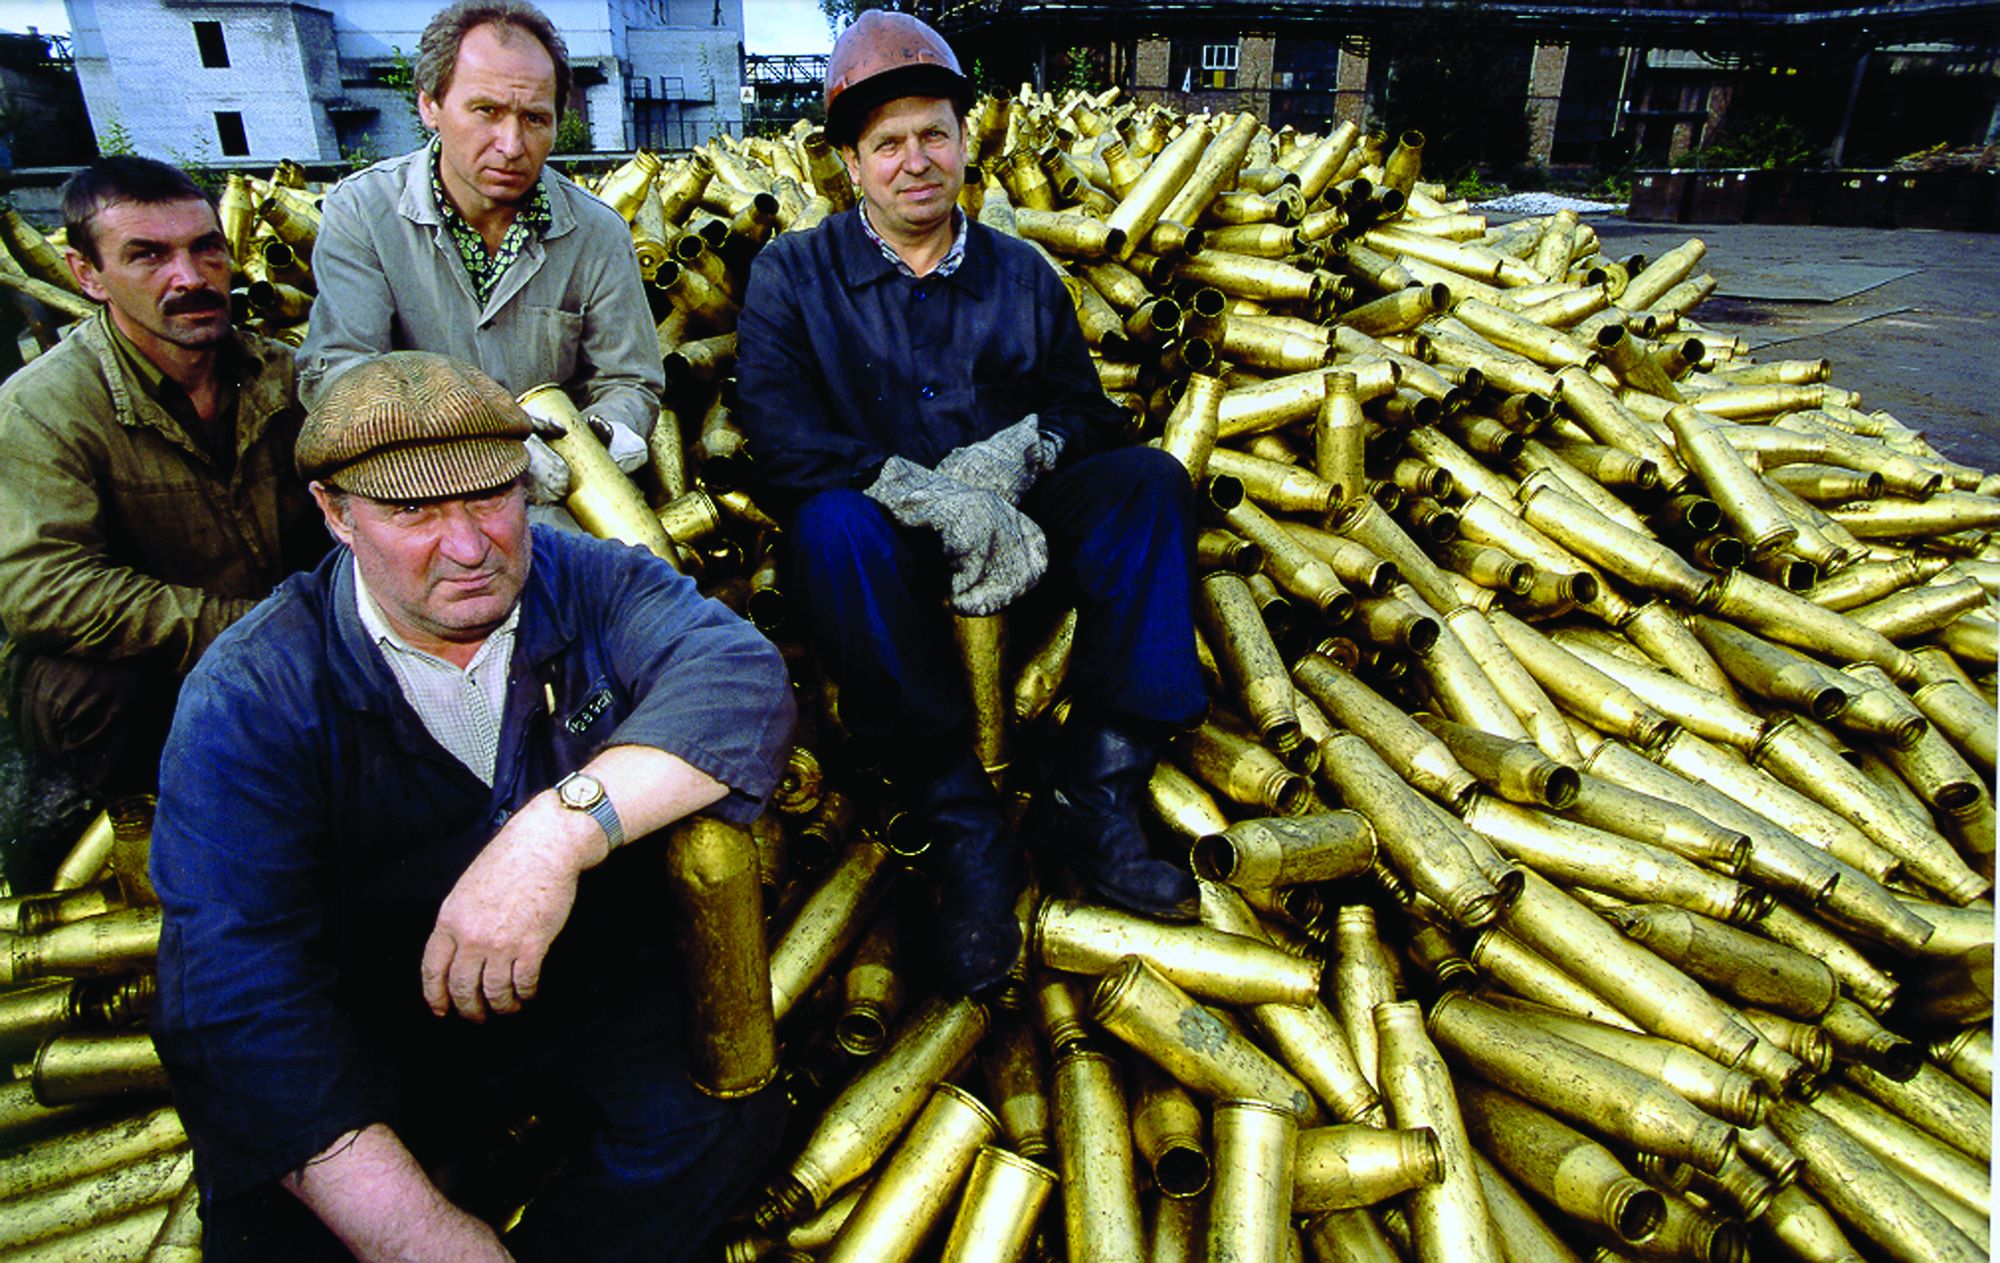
(496, 925)
(995, 552)
(628, 450)
(548, 473)
(1006, 463)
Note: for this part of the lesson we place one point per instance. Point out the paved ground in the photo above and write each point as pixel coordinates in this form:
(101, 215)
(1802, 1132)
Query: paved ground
(1908, 317)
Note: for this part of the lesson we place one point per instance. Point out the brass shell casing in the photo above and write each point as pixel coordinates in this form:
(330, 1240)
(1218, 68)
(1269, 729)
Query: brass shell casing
(1286, 851)
(1094, 1140)
(719, 930)
(92, 1200)
(917, 1185)
(1579, 1084)
(1084, 938)
(1868, 1194)
(1448, 1219)
(1003, 1201)
(831, 918)
(865, 1119)
(92, 1065)
(1167, 1132)
(1564, 1166)
(1139, 1005)
(1249, 1217)
(105, 945)
(602, 499)
(1342, 1167)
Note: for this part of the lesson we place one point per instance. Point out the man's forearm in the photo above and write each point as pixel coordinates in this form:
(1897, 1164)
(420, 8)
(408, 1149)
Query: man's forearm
(372, 1194)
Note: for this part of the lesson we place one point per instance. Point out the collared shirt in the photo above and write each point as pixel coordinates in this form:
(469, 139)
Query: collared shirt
(946, 266)
(483, 266)
(217, 437)
(460, 706)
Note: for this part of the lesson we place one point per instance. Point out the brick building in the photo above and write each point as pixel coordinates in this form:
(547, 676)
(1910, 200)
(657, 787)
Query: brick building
(259, 80)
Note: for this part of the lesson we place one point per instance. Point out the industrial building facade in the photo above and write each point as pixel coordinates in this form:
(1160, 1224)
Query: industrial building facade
(258, 80)
(1645, 80)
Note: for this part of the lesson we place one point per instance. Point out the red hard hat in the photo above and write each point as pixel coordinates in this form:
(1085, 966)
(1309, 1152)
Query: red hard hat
(881, 56)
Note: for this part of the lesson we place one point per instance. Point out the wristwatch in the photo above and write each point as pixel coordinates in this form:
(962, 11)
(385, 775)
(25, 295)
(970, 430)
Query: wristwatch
(580, 791)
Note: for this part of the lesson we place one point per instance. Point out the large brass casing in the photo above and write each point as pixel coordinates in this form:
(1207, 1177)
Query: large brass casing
(1867, 1194)
(1083, 938)
(1578, 1084)
(1448, 1219)
(1341, 1167)
(1139, 1005)
(106, 945)
(95, 1199)
(90, 1150)
(1094, 1141)
(1167, 1132)
(917, 1185)
(1003, 1201)
(1249, 1215)
(831, 918)
(94, 1065)
(719, 930)
(1564, 1166)
(601, 498)
(1428, 853)
(864, 1120)
(1287, 851)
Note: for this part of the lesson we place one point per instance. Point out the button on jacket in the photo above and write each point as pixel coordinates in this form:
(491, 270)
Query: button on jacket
(844, 362)
(309, 827)
(572, 309)
(121, 537)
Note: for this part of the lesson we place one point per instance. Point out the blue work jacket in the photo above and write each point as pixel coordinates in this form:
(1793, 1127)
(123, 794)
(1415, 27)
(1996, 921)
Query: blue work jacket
(843, 361)
(309, 827)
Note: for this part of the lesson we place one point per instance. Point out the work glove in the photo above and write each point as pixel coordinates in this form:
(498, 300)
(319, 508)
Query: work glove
(548, 473)
(994, 551)
(1007, 463)
(628, 450)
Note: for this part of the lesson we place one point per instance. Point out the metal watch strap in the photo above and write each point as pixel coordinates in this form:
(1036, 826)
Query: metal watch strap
(601, 811)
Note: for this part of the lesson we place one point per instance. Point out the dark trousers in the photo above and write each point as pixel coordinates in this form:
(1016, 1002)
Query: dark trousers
(655, 1167)
(104, 723)
(1120, 528)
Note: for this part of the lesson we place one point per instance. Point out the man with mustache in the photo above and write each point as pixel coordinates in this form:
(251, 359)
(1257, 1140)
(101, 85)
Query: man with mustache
(924, 413)
(471, 247)
(150, 498)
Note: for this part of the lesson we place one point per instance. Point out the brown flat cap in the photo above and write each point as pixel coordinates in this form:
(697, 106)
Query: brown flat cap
(411, 425)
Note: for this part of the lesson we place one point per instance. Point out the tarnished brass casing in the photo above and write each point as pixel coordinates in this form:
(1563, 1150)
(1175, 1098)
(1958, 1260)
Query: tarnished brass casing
(602, 499)
(1167, 1131)
(919, 1182)
(1448, 1219)
(1139, 1005)
(1341, 1167)
(1094, 1141)
(719, 930)
(1227, 968)
(1867, 1194)
(831, 918)
(868, 1115)
(1002, 1205)
(1563, 1165)
(1579, 1084)
(1249, 1217)
(91, 1065)
(104, 945)
(1285, 851)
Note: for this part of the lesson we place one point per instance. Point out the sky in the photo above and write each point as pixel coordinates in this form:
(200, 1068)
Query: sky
(769, 26)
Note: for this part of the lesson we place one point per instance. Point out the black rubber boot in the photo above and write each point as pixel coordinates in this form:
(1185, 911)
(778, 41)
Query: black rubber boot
(1089, 816)
(979, 875)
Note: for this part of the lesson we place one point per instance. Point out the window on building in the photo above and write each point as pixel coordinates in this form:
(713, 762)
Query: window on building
(1192, 67)
(229, 130)
(214, 52)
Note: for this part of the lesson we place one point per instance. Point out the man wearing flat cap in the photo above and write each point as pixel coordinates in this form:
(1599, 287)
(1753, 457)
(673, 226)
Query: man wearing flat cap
(403, 848)
(925, 417)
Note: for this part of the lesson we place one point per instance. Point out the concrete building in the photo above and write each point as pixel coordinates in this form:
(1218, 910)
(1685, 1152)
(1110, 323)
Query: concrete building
(1596, 80)
(254, 81)
(39, 100)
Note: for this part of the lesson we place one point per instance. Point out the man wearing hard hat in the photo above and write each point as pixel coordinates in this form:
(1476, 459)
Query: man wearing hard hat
(924, 414)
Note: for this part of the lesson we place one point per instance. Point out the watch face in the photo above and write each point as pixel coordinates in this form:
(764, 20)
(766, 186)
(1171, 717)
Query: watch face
(580, 791)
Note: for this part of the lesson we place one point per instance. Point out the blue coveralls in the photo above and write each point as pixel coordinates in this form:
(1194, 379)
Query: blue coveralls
(843, 362)
(309, 827)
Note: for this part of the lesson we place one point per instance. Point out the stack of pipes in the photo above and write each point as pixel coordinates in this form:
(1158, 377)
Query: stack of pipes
(1594, 821)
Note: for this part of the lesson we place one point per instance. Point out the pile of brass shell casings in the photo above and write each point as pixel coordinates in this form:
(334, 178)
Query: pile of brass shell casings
(1570, 670)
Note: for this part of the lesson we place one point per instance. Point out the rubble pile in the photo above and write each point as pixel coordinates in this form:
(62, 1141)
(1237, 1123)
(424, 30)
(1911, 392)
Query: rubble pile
(1595, 816)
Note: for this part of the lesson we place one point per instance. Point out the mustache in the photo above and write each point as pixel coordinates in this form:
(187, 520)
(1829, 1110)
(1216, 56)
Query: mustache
(195, 303)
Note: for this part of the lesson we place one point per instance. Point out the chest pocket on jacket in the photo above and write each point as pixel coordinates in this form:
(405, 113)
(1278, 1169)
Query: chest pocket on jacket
(551, 337)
